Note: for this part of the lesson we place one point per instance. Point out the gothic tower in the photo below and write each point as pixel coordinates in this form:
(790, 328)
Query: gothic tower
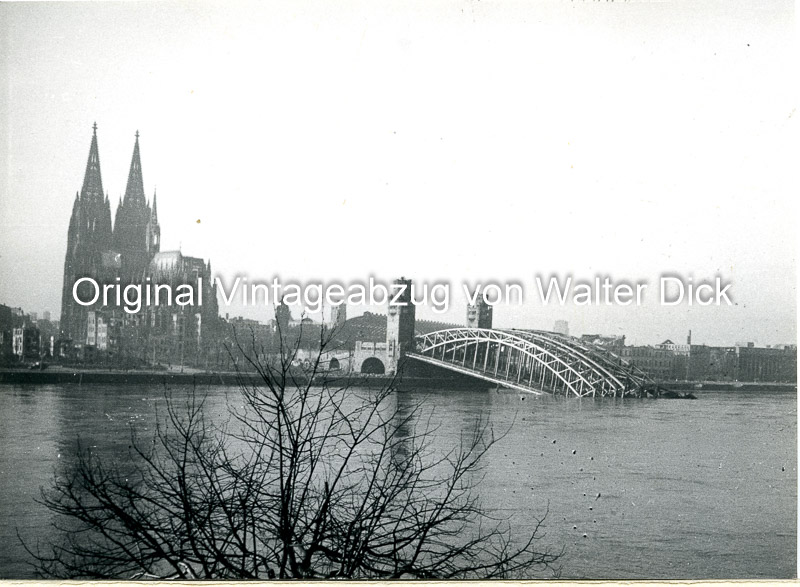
(89, 236)
(153, 230)
(131, 223)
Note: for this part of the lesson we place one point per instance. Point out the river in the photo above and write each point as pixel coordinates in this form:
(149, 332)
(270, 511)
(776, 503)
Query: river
(633, 489)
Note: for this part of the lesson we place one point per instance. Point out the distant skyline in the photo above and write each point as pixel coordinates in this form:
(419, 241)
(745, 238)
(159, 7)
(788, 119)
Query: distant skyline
(445, 141)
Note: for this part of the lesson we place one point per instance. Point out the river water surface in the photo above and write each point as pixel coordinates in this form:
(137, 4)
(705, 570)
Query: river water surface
(661, 489)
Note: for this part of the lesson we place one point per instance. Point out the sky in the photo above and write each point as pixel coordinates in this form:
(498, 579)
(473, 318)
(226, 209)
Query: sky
(446, 141)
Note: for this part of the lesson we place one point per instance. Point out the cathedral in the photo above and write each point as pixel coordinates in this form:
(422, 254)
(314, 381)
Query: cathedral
(129, 252)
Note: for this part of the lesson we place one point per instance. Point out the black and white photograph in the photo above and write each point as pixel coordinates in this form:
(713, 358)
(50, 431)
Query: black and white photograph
(412, 291)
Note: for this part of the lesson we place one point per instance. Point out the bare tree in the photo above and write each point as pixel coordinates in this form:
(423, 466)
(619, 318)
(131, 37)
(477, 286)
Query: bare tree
(309, 478)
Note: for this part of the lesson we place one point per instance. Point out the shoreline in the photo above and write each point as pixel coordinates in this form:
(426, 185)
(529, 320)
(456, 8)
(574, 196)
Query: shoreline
(106, 376)
(100, 377)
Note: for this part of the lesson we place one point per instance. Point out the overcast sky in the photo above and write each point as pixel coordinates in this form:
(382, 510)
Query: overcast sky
(456, 141)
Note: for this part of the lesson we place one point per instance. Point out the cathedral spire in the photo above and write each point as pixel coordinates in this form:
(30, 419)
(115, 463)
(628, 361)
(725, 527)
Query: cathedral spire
(154, 212)
(130, 226)
(134, 192)
(153, 229)
(92, 181)
(73, 221)
(88, 237)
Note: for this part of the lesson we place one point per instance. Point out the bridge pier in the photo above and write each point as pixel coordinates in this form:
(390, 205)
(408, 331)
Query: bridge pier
(400, 327)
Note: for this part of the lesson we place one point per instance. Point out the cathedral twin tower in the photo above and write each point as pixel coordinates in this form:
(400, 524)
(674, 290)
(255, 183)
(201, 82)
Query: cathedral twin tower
(128, 252)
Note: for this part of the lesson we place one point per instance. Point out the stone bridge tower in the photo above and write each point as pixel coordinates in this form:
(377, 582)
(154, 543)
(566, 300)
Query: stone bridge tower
(400, 326)
(479, 314)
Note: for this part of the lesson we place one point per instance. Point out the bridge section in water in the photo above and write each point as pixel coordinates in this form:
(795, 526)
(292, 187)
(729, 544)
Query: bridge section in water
(534, 361)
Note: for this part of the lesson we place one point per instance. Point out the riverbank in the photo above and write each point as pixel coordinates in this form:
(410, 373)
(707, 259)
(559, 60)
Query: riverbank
(61, 375)
(57, 376)
(731, 386)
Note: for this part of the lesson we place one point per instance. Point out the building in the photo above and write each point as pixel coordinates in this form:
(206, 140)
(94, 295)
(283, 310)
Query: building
(707, 363)
(100, 330)
(561, 327)
(662, 364)
(14, 347)
(765, 364)
(680, 349)
(129, 253)
(743, 362)
(26, 343)
(303, 322)
(185, 333)
(7, 324)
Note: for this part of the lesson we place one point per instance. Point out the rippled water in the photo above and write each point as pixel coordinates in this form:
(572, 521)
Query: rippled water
(661, 488)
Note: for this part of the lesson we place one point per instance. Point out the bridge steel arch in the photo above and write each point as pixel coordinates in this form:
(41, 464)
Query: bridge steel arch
(531, 360)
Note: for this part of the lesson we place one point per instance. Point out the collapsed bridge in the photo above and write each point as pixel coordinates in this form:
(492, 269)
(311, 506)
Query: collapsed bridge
(534, 361)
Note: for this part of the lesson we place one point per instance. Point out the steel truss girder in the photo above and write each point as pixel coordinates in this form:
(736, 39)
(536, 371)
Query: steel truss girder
(560, 363)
